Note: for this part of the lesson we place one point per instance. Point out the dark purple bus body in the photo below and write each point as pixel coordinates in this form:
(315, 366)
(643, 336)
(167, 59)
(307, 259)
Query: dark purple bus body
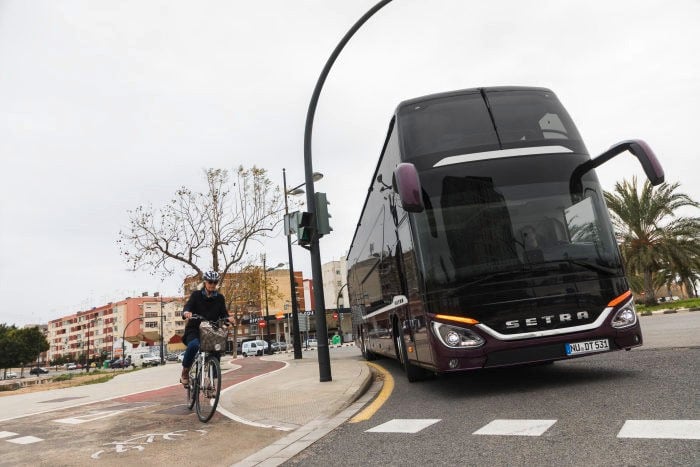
(485, 241)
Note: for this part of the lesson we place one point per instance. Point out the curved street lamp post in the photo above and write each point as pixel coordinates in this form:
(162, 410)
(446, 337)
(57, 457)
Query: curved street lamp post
(324, 362)
(141, 318)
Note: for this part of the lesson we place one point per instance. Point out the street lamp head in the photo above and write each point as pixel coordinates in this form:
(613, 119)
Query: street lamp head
(316, 176)
(272, 268)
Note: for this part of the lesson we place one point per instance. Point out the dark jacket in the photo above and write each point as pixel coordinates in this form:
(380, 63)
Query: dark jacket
(211, 307)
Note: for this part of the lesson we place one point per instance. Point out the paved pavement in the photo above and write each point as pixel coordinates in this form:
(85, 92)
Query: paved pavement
(293, 399)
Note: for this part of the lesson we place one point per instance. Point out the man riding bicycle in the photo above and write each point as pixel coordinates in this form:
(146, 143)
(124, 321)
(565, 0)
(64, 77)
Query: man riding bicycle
(208, 303)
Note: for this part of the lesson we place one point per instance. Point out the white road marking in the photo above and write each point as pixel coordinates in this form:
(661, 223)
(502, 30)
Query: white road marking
(515, 427)
(25, 440)
(404, 425)
(90, 417)
(661, 429)
(7, 434)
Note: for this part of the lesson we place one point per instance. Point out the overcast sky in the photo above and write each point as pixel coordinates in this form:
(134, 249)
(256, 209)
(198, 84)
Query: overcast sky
(106, 105)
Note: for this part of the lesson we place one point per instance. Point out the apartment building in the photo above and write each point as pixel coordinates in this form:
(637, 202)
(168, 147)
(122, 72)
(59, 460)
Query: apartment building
(105, 331)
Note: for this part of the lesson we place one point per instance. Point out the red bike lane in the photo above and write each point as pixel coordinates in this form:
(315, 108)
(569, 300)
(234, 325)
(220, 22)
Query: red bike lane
(249, 368)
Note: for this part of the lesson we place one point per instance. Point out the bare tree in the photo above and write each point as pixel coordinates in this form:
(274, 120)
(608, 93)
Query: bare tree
(199, 231)
(244, 291)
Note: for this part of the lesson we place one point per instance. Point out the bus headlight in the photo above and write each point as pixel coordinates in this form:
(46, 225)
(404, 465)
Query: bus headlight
(625, 316)
(455, 337)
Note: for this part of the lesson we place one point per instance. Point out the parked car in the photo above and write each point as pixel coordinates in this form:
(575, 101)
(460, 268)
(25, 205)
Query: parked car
(180, 356)
(71, 366)
(120, 363)
(279, 346)
(11, 375)
(171, 357)
(311, 343)
(255, 347)
(150, 360)
(37, 370)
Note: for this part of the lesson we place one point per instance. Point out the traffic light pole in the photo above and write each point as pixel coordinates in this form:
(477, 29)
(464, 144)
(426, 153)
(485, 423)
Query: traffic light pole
(324, 362)
(296, 338)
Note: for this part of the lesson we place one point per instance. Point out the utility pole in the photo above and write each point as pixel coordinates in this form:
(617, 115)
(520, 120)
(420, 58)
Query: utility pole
(162, 356)
(296, 338)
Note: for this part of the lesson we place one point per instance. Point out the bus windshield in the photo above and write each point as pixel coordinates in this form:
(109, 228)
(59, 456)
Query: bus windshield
(477, 226)
(469, 122)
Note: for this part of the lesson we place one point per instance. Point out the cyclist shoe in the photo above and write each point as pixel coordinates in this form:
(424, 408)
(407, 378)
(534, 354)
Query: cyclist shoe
(185, 377)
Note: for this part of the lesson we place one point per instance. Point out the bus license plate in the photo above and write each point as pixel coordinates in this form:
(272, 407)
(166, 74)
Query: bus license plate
(577, 348)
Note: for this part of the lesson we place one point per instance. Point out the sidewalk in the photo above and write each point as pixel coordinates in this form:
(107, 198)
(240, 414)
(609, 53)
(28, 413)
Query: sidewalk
(293, 399)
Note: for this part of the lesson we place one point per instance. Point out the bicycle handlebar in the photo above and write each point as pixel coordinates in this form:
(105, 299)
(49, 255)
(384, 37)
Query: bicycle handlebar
(218, 321)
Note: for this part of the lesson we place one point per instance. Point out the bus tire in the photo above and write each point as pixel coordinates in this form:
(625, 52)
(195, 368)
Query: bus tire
(366, 353)
(413, 373)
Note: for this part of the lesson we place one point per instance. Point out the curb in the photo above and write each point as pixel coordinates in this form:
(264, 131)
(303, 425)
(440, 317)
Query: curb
(301, 438)
(668, 311)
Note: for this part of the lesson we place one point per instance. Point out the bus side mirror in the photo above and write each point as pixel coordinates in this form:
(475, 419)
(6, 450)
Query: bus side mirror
(650, 164)
(407, 184)
(640, 149)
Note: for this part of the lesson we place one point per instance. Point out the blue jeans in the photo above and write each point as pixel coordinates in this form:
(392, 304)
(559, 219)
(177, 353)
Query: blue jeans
(192, 348)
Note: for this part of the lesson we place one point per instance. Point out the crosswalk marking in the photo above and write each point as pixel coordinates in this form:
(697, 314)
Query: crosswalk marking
(25, 440)
(7, 434)
(661, 429)
(403, 425)
(518, 427)
(650, 429)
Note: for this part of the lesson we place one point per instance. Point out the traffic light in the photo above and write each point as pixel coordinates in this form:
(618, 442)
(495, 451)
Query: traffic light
(322, 216)
(304, 229)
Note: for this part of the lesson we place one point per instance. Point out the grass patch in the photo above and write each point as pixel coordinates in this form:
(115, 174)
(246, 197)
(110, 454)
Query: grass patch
(63, 377)
(101, 379)
(689, 303)
(106, 376)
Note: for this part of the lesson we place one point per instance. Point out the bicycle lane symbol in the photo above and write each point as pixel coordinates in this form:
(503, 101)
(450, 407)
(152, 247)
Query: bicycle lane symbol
(140, 442)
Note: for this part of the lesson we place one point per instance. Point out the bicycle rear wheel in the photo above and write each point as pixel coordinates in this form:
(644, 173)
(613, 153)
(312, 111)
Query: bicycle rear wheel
(192, 386)
(209, 389)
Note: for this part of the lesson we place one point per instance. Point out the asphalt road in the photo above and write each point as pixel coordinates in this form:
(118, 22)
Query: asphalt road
(577, 412)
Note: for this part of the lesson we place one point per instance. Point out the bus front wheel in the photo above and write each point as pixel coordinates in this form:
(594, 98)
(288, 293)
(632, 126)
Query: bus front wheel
(413, 373)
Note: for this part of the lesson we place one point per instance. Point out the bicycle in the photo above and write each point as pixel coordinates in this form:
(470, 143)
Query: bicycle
(204, 387)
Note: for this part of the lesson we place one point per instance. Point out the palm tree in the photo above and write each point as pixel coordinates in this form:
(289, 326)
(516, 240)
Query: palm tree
(652, 234)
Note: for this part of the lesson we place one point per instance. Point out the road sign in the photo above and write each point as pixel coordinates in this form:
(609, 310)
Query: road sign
(303, 322)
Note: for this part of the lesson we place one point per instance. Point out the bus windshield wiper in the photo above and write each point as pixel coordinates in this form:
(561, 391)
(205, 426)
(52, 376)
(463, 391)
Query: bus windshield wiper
(594, 266)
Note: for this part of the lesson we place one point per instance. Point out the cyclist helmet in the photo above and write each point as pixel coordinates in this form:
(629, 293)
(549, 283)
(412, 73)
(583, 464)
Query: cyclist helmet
(211, 276)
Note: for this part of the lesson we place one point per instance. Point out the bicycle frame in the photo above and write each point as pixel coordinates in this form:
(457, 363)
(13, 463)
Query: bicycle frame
(204, 388)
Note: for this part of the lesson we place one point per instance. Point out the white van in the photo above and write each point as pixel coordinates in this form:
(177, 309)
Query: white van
(256, 347)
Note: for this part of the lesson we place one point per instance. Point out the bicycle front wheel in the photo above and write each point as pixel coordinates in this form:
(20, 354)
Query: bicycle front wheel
(209, 389)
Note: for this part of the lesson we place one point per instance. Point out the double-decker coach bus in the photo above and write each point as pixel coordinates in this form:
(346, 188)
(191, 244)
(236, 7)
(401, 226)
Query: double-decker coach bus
(485, 241)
